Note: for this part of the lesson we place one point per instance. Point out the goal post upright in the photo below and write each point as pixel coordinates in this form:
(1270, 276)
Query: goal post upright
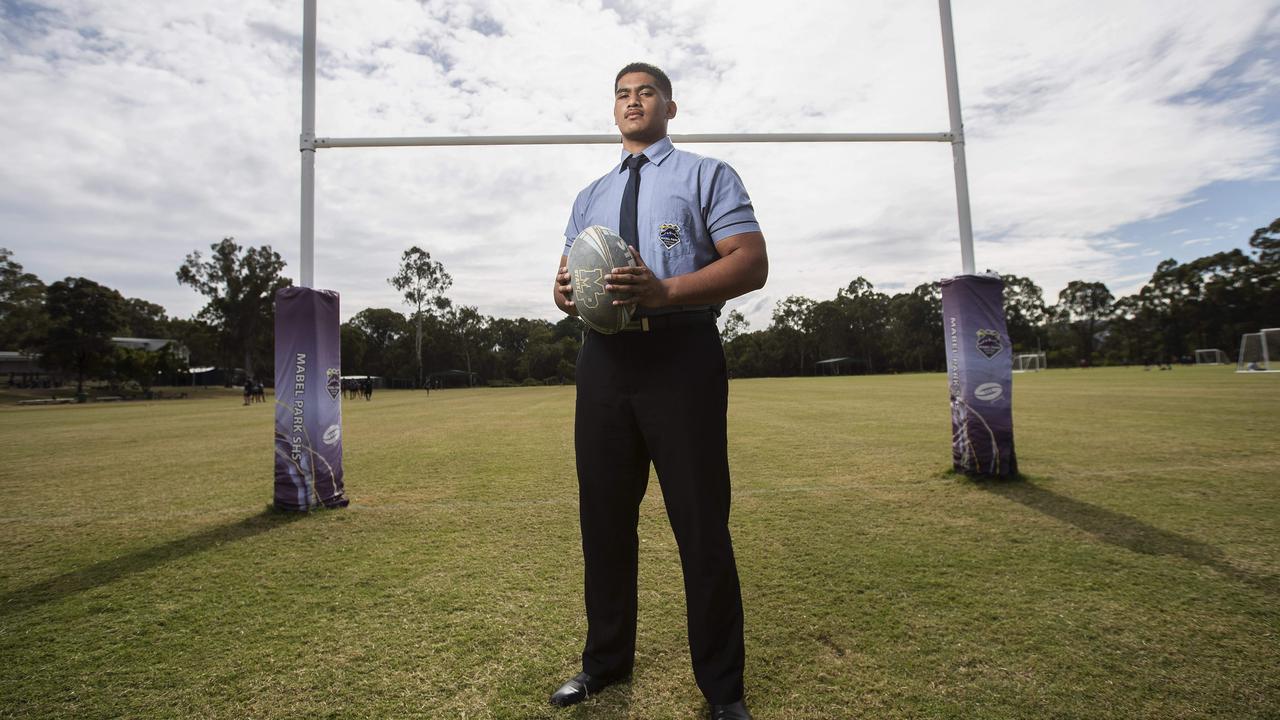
(957, 138)
(1268, 357)
(307, 146)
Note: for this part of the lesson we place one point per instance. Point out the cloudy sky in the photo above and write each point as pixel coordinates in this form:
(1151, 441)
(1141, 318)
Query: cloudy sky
(1102, 136)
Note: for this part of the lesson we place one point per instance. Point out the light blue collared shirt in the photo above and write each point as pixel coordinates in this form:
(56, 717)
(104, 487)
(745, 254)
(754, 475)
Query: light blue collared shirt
(688, 203)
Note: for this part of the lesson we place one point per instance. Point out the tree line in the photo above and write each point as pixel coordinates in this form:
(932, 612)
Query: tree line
(1206, 303)
(69, 324)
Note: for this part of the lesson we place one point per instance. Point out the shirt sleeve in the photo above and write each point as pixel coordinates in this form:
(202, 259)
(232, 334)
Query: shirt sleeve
(577, 216)
(726, 205)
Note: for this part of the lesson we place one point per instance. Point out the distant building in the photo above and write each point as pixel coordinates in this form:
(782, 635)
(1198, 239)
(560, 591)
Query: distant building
(20, 363)
(24, 369)
(21, 369)
(153, 345)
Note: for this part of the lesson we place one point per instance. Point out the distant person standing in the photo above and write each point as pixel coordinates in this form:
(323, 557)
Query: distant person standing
(248, 390)
(367, 387)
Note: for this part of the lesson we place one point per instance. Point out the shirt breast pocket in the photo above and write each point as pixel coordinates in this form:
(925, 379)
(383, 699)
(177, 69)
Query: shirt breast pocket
(674, 230)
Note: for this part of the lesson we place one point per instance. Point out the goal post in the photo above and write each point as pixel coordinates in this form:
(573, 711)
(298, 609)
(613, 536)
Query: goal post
(1029, 362)
(969, 291)
(1260, 351)
(1211, 356)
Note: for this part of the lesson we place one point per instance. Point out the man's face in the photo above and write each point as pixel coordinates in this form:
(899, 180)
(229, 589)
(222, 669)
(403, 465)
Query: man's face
(640, 110)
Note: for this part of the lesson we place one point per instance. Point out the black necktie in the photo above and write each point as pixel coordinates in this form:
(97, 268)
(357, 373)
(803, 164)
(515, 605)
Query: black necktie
(631, 199)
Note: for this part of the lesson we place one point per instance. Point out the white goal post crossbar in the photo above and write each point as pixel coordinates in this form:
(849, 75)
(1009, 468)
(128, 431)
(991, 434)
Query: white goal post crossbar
(309, 143)
(478, 140)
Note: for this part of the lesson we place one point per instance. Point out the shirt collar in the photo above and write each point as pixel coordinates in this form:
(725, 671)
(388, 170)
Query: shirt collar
(656, 153)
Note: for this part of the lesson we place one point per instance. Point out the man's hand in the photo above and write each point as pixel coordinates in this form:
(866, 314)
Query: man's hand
(564, 286)
(639, 284)
(563, 290)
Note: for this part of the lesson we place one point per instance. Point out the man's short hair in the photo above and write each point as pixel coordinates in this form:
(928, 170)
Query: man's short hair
(664, 82)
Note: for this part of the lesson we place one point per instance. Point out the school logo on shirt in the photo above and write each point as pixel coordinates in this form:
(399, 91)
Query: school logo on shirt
(669, 234)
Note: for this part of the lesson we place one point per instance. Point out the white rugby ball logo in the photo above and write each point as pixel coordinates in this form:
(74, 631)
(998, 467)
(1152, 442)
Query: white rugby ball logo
(331, 434)
(990, 392)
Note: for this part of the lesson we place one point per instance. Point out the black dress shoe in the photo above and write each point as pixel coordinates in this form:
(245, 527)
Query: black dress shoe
(732, 711)
(579, 688)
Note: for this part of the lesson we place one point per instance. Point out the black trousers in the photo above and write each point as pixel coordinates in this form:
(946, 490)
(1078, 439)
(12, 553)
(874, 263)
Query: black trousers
(659, 396)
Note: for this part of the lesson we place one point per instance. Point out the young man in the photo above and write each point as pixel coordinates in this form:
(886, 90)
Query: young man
(658, 391)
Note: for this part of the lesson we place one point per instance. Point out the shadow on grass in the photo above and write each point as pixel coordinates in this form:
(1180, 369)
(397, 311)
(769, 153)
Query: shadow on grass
(108, 571)
(1122, 530)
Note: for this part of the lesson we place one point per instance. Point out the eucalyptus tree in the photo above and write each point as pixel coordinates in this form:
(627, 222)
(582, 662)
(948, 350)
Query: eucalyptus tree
(423, 282)
(240, 284)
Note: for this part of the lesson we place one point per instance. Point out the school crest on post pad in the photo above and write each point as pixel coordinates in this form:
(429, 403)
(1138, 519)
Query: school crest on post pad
(333, 382)
(989, 343)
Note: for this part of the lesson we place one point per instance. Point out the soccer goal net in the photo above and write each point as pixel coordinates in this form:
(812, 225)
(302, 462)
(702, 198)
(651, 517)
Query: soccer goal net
(1028, 362)
(1211, 356)
(1260, 351)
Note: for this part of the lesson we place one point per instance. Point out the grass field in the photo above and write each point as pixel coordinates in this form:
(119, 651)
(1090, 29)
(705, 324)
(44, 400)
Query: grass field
(1135, 573)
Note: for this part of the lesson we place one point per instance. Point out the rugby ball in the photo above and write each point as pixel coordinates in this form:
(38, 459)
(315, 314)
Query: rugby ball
(595, 252)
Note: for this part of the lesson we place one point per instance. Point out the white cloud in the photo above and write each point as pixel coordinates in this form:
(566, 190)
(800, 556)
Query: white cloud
(143, 131)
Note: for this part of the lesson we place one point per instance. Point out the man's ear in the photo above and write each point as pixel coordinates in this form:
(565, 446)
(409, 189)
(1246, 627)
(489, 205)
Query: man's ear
(671, 109)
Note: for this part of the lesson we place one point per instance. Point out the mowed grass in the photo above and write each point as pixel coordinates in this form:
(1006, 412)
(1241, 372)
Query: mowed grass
(1135, 572)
